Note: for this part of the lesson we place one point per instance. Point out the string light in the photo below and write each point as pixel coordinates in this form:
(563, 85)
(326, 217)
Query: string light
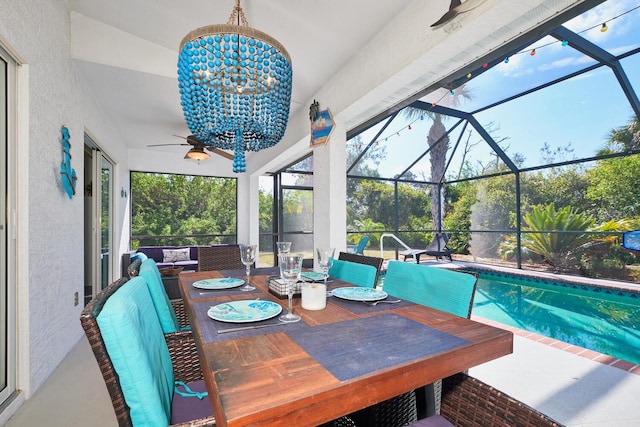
(603, 28)
(532, 52)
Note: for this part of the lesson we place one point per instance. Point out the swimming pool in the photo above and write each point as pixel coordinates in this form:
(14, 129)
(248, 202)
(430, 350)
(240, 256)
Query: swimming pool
(600, 319)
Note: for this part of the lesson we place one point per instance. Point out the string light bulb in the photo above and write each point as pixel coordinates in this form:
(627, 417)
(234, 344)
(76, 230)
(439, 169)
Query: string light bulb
(565, 42)
(533, 52)
(604, 27)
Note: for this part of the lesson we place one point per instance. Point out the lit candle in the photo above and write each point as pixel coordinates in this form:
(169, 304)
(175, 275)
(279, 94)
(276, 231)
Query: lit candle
(314, 296)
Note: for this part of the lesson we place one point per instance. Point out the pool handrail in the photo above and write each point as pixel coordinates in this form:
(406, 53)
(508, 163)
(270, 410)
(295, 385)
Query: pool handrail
(397, 239)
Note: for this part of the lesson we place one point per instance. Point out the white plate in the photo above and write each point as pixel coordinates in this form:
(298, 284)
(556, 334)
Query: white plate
(357, 293)
(244, 311)
(222, 283)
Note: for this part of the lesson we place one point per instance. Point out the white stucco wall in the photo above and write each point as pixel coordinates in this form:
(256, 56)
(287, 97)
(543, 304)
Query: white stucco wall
(51, 242)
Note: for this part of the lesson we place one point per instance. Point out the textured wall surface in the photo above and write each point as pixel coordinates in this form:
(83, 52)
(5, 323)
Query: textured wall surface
(53, 245)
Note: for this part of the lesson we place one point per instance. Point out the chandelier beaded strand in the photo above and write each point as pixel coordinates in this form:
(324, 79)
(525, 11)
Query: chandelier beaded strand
(235, 87)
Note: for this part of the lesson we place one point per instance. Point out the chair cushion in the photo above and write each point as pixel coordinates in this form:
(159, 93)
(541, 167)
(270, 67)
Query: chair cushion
(137, 348)
(166, 314)
(439, 288)
(358, 274)
(432, 421)
(190, 408)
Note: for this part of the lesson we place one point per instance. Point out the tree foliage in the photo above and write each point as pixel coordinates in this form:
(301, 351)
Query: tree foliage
(203, 208)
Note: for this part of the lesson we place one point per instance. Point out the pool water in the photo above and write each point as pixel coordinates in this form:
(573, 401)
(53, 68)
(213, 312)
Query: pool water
(599, 319)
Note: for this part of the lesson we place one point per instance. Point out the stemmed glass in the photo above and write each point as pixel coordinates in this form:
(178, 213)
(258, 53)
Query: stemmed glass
(325, 259)
(248, 257)
(283, 247)
(290, 268)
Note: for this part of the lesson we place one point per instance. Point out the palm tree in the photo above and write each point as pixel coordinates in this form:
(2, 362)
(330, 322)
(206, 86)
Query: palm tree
(438, 141)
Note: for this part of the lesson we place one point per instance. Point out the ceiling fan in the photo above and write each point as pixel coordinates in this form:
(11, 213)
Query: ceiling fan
(457, 8)
(197, 149)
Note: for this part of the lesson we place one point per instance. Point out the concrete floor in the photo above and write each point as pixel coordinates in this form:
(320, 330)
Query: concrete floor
(571, 389)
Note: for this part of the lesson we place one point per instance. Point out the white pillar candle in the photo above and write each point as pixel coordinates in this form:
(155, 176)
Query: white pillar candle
(314, 296)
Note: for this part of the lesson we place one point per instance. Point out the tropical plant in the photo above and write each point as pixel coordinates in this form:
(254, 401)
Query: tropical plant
(555, 234)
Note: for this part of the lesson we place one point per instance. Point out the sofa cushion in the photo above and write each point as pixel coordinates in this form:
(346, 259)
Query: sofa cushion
(153, 252)
(175, 255)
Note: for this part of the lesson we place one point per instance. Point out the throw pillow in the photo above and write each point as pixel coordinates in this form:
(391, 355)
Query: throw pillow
(175, 255)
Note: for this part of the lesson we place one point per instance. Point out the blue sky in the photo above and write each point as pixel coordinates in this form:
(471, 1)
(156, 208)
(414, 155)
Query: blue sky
(580, 112)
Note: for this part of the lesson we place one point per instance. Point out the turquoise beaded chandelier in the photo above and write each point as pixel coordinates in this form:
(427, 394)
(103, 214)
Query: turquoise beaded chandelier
(235, 87)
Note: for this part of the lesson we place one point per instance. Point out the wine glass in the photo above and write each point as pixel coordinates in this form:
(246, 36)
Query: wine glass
(290, 268)
(283, 247)
(325, 259)
(248, 257)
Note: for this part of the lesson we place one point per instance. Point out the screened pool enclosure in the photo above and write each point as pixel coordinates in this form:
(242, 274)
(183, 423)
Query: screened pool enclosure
(528, 158)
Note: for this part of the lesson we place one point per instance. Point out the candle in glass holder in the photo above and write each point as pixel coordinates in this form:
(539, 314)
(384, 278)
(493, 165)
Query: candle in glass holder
(314, 296)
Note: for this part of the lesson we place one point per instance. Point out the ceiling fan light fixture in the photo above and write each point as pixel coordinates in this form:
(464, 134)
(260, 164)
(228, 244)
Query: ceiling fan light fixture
(235, 86)
(197, 153)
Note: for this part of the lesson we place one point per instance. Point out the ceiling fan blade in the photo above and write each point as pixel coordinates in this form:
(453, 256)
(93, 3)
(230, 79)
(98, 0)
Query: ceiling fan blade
(164, 145)
(220, 152)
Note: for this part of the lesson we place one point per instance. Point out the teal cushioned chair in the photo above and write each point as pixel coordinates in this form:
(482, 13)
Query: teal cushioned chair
(359, 249)
(439, 288)
(135, 343)
(167, 315)
(358, 274)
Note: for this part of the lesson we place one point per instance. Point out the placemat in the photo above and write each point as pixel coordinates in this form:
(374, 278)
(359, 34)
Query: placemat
(358, 347)
(211, 327)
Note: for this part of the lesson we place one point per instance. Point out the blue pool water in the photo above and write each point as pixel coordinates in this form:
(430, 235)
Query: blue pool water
(600, 319)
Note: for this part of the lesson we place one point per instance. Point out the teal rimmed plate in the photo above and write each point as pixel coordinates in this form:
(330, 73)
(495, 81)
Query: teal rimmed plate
(357, 293)
(312, 276)
(221, 283)
(244, 311)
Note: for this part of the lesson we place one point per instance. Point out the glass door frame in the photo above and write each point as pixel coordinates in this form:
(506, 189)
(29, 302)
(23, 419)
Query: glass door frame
(8, 224)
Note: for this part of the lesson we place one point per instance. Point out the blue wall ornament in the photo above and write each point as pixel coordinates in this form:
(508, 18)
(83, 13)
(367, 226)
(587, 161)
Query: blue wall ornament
(69, 177)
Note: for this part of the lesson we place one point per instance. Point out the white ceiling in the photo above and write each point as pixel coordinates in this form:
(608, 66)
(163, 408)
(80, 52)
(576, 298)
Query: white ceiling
(127, 50)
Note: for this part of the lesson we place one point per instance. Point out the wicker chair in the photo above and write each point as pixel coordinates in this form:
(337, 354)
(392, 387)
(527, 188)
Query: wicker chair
(220, 257)
(181, 346)
(467, 401)
(363, 259)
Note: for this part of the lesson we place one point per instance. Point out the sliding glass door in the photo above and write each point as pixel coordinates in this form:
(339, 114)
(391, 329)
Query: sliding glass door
(99, 197)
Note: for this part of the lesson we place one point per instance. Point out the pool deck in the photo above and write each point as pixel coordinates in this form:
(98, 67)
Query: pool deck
(574, 390)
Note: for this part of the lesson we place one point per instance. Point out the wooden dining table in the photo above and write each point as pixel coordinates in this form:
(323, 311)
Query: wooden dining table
(335, 361)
